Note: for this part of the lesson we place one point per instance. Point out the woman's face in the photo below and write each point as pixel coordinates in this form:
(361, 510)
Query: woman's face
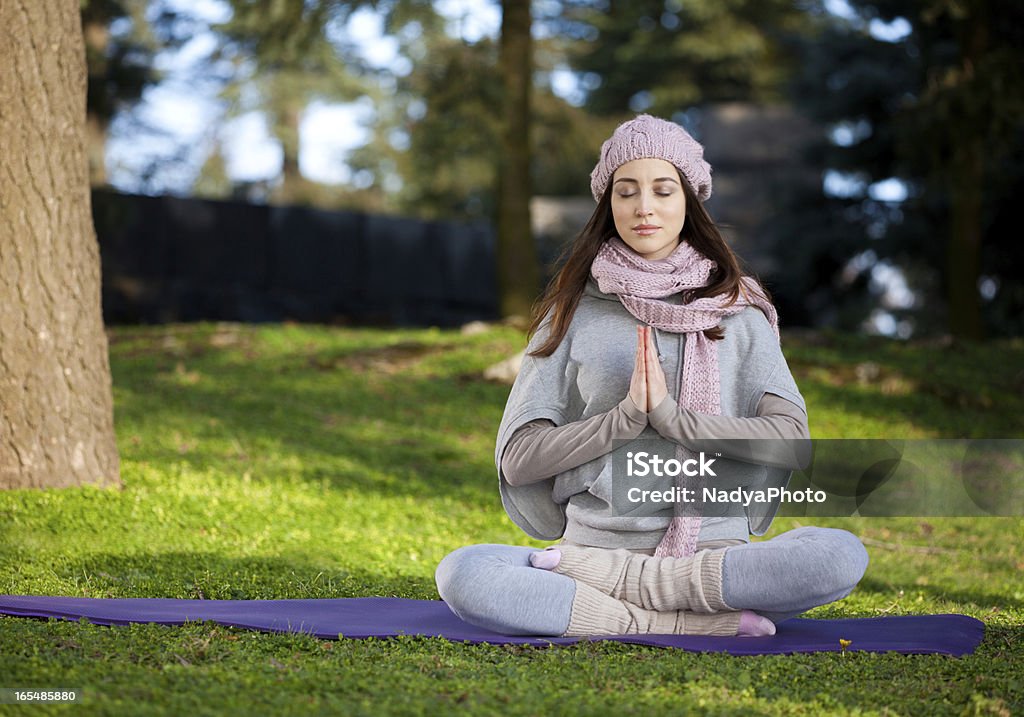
(648, 206)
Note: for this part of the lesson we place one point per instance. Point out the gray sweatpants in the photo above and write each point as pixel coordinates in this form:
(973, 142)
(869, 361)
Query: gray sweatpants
(495, 587)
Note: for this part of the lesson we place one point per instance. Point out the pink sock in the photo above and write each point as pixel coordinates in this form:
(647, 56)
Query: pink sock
(754, 625)
(546, 559)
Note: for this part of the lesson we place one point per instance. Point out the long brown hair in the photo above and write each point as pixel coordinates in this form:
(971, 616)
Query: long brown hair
(563, 292)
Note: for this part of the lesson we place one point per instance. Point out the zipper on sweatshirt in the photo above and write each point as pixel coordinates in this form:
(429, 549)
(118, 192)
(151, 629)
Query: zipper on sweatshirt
(657, 343)
(678, 339)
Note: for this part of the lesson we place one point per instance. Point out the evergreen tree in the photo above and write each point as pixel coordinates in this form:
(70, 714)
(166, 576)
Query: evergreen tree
(665, 56)
(942, 110)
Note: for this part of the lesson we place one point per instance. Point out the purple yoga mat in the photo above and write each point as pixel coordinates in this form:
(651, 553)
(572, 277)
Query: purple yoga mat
(388, 617)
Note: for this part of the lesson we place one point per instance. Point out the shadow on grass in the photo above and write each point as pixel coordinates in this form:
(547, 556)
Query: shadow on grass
(970, 390)
(423, 438)
(981, 598)
(205, 576)
(944, 421)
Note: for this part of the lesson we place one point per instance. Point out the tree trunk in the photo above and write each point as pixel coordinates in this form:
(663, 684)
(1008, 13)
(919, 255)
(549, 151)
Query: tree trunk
(285, 127)
(518, 271)
(56, 406)
(964, 253)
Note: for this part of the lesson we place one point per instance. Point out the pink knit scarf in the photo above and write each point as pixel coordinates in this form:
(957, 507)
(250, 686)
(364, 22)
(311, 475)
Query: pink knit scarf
(639, 284)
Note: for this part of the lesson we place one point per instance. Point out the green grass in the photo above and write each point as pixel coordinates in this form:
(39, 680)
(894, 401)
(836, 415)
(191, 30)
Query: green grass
(305, 462)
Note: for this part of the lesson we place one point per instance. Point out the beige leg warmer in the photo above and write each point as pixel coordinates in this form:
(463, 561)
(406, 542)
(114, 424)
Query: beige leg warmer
(594, 613)
(693, 583)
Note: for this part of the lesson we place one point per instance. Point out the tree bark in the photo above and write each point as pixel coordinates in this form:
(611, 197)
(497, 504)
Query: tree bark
(56, 405)
(964, 252)
(518, 271)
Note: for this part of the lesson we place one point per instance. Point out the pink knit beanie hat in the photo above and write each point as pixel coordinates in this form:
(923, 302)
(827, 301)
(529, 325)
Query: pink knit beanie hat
(648, 137)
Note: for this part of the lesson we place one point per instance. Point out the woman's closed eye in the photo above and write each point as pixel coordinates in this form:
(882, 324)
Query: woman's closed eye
(660, 193)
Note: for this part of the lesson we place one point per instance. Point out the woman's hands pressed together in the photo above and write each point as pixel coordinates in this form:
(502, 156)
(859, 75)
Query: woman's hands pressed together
(647, 387)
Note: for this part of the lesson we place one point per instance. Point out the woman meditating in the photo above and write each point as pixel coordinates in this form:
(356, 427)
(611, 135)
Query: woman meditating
(650, 340)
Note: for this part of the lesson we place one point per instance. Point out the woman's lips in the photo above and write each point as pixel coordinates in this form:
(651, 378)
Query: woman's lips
(645, 229)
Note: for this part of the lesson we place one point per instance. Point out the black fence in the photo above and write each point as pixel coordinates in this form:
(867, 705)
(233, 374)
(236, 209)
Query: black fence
(171, 259)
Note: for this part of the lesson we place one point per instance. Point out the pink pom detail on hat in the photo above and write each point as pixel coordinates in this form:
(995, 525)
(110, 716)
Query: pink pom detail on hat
(647, 137)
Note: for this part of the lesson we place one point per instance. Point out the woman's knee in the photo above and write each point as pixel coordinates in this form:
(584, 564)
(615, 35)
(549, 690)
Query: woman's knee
(845, 558)
(464, 571)
(454, 570)
(834, 560)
